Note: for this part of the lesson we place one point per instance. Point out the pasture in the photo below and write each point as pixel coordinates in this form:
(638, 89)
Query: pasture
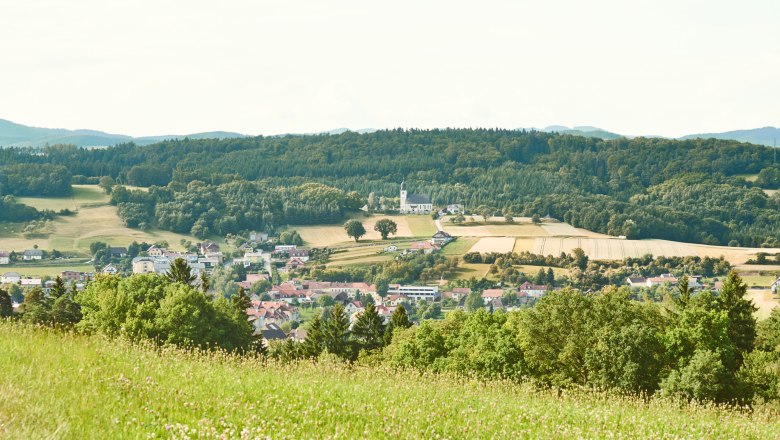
(63, 385)
(95, 220)
(48, 268)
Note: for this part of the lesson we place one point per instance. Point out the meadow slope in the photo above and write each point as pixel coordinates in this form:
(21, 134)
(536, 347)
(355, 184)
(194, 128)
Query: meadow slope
(69, 386)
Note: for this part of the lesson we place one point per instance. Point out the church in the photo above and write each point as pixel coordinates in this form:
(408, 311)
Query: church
(414, 203)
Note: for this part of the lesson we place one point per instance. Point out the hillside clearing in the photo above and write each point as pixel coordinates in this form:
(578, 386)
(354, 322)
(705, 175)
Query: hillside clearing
(330, 235)
(67, 386)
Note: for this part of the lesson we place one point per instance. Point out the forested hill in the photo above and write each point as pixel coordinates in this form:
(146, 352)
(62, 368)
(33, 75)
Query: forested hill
(683, 190)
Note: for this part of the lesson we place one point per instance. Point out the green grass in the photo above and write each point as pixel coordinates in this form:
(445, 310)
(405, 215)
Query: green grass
(421, 225)
(759, 280)
(47, 268)
(67, 386)
(459, 247)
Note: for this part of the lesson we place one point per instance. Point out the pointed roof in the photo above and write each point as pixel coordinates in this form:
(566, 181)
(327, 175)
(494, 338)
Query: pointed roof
(403, 185)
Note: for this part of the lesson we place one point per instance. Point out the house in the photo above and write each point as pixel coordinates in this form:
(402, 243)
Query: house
(454, 209)
(246, 247)
(207, 246)
(488, 295)
(155, 251)
(385, 312)
(301, 254)
(32, 254)
(441, 238)
(10, 278)
(425, 247)
(31, 282)
(210, 262)
(661, 280)
(254, 257)
(396, 299)
(5, 257)
(109, 269)
(117, 252)
(245, 262)
(532, 290)
(415, 293)
(354, 307)
(294, 263)
(271, 332)
(496, 304)
(73, 275)
(414, 203)
(635, 282)
(391, 248)
(457, 293)
(142, 265)
(262, 313)
(285, 247)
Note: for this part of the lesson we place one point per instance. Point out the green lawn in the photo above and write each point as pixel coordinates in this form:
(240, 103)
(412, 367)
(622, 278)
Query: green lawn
(459, 246)
(66, 386)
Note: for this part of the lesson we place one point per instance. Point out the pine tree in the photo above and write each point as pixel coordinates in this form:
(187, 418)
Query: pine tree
(683, 293)
(205, 284)
(550, 277)
(241, 300)
(399, 318)
(58, 289)
(180, 272)
(742, 323)
(337, 332)
(368, 329)
(315, 336)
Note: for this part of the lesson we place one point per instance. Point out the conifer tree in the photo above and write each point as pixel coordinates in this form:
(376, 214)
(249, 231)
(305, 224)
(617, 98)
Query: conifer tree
(742, 323)
(368, 328)
(180, 272)
(6, 305)
(337, 332)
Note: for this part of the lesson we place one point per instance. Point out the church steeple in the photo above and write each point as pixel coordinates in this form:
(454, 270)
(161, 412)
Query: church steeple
(402, 197)
(403, 185)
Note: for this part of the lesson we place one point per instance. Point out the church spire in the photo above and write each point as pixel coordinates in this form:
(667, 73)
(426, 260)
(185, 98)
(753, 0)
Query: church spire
(403, 185)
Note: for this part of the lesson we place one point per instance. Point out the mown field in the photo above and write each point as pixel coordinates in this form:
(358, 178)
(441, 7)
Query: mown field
(334, 235)
(68, 386)
(95, 220)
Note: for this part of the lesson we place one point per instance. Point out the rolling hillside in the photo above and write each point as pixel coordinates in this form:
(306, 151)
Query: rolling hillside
(58, 385)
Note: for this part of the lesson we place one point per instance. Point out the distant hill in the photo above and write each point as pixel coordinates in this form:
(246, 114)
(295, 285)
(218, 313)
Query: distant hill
(18, 135)
(759, 136)
(583, 130)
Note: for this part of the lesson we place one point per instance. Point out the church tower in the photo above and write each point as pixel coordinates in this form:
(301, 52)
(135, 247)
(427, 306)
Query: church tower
(403, 196)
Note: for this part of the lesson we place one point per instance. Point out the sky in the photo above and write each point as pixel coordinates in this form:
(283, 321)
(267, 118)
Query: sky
(152, 67)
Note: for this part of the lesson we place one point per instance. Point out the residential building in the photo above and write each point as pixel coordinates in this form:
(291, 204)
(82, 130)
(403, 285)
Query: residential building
(155, 251)
(31, 282)
(441, 238)
(207, 246)
(32, 254)
(391, 248)
(294, 263)
(285, 247)
(117, 252)
(109, 269)
(425, 247)
(301, 254)
(488, 295)
(532, 290)
(5, 257)
(10, 278)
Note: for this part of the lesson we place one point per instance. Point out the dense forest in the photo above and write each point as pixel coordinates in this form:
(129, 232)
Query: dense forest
(689, 190)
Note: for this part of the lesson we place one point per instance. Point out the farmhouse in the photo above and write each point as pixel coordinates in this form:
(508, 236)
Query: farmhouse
(488, 295)
(5, 258)
(10, 278)
(155, 251)
(294, 263)
(457, 293)
(32, 254)
(532, 290)
(109, 269)
(441, 238)
(414, 203)
(425, 247)
(635, 282)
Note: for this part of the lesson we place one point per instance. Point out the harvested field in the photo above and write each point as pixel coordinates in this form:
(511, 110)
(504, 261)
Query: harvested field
(764, 301)
(498, 230)
(494, 244)
(329, 235)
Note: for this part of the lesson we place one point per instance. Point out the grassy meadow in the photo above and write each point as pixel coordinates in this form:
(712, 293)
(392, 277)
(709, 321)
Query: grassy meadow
(95, 220)
(70, 386)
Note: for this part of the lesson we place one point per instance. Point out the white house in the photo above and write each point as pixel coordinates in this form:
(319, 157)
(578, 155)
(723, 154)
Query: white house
(441, 238)
(155, 251)
(5, 257)
(110, 269)
(391, 248)
(31, 282)
(415, 293)
(532, 290)
(284, 247)
(414, 203)
(301, 254)
(32, 254)
(10, 278)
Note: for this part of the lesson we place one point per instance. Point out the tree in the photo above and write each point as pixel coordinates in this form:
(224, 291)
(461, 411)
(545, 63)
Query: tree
(180, 272)
(6, 305)
(386, 227)
(368, 328)
(355, 229)
(474, 302)
(36, 307)
(204, 282)
(580, 259)
(742, 323)
(550, 277)
(535, 219)
(65, 311)
(540, 277)
(241, 300)
(703, 378)
(683, 292)
(337, 332)
(58, 289)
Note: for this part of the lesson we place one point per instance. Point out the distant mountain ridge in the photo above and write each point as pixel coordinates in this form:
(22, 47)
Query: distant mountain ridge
(18, 135)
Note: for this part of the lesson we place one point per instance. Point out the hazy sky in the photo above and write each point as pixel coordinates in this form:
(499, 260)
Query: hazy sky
(145, 67)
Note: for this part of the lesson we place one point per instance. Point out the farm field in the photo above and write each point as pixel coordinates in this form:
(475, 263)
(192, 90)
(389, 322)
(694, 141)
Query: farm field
(330, 235)
(764, 301)
(531, 271)
(71, 386)
(495, 230)
(494, 244)
(95, 220)
(468, 270)
(460, 246)
(47, 270)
